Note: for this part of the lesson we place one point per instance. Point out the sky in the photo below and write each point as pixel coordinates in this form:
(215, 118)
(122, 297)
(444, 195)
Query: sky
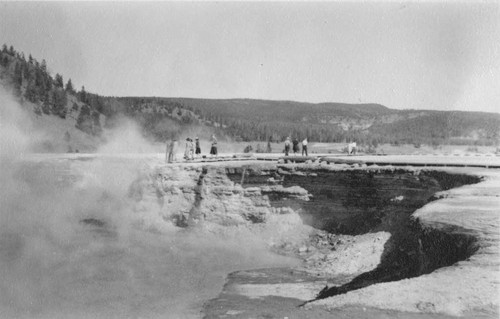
(404, 55)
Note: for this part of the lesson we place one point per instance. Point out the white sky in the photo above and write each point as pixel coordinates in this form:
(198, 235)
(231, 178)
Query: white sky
(431, 55)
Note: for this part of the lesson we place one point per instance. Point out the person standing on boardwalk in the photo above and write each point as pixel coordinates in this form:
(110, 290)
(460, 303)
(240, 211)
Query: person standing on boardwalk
(295, 146)
(186, 149)
(351, 148)
(287, 146)
(189, 151)
(213, 149)
(198, 149)
(304, 147)
(167, 151)
(172, 149)
(354, 148)
(175, 146)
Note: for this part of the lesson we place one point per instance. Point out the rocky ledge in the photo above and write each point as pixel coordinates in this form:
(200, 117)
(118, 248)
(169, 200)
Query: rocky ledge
(468, 287)
(403, 240)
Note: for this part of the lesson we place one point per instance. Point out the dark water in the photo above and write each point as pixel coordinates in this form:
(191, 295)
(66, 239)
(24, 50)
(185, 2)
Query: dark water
(72, 246)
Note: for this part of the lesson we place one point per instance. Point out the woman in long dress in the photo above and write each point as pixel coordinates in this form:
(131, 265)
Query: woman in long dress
(213, 149)
(188, 152)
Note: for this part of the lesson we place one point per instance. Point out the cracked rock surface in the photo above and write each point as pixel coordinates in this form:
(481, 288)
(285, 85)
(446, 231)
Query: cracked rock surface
(410, 242)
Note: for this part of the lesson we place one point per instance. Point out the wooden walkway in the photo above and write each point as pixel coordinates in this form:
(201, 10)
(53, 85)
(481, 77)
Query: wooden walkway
(389, 160)
(290, 159)
(409, 161)
(225, 158)
(369, 160)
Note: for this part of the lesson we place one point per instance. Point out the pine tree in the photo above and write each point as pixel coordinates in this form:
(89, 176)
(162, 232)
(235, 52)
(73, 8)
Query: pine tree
(59, 81)
(84, 120)
(59, 99)
(26, 71)
(82, 95)
(48, 82)
(4, 61)
(44, 66)
(46, 106)
(31, 93)
(18, 77)
(69, 87)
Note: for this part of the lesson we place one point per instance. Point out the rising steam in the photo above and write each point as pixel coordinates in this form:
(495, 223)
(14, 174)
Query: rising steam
(69, 242)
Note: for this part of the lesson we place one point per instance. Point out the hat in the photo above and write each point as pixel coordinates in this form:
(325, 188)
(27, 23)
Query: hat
(196, 137)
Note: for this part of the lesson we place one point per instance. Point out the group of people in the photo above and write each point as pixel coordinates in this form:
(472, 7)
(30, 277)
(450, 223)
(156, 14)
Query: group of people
(295, 146)
(192, 149)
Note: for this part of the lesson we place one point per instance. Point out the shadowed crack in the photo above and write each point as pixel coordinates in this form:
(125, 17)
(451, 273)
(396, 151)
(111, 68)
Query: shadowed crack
(195, 212)
(436, 249)
(357, 202)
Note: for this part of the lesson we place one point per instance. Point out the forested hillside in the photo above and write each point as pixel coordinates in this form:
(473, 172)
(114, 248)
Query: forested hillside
(459, 128)
(251, 120)
(239, 119)
(31, 82)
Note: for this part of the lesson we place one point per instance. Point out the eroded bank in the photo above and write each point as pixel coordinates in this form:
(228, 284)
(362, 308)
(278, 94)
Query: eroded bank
(352, 227)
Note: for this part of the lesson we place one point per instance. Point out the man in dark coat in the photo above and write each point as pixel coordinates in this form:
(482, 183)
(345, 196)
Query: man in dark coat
(295, 146)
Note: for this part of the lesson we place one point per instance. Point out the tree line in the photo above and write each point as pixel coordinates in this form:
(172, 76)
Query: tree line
(242, 119)
(431, 127)
(32, 81)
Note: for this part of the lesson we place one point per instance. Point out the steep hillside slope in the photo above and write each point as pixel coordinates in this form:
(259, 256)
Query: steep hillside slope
(62, 119)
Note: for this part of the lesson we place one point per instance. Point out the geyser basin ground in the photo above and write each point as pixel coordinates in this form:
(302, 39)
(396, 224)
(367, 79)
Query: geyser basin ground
(74, 243)
(359, 250)
(442, 261)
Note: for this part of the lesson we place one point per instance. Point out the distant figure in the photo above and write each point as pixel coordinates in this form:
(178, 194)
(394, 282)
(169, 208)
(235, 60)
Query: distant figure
(198, 149)
(186, 149)
(172, 150)
(287, 146)
(191, 148)
(175, 146)
(269, 148)
(351, 148)
(304, 147)
(188, 152)
(213, 149)
(167, 151)
(295, 146)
